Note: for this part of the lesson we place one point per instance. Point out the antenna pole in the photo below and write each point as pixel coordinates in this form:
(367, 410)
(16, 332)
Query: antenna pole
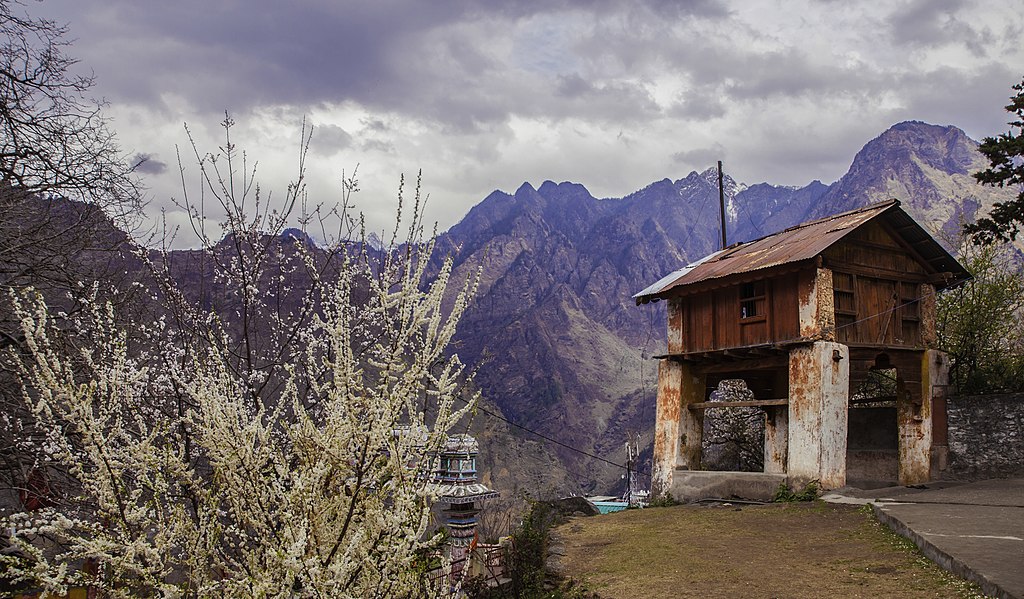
(721, 201)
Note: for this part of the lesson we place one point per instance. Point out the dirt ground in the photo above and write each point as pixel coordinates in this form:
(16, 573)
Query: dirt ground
(792, 550)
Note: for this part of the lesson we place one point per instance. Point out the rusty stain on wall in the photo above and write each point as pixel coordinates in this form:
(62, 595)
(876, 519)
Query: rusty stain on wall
(776, 439)
(816, 305)
(826, 310)
(739, 309)
(818, 389)
(666, 426)
(929, 335)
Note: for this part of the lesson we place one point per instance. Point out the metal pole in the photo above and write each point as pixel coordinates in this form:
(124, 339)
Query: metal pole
(721, 201)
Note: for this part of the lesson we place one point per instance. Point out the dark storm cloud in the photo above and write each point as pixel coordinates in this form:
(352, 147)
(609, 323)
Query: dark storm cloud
(612, 101)
(147, 164)
(699, 156)
(975, 106)
(330, 139)
(789, 72)
(930, 23)
(289, 53)
(385, 55)
(706, 102)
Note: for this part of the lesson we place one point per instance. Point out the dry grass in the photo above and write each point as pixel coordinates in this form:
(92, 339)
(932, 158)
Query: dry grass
(781, 550)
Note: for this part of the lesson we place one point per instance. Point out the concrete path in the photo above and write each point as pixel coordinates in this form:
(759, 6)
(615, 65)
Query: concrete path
(975, 530)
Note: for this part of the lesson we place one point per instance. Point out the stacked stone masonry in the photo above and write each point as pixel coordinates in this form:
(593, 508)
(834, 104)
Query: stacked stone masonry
(986, 437)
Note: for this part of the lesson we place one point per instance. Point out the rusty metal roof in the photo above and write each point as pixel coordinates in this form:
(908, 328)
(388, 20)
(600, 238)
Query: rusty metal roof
(804, 242)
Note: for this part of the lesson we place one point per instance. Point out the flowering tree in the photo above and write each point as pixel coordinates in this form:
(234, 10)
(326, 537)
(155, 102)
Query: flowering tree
(189, 475)
(63, 178)
(733, 437)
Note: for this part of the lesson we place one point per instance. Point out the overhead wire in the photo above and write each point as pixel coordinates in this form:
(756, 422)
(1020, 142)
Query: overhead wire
(547, 438)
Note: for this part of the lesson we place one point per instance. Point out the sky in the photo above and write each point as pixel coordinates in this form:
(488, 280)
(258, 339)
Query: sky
(486, 95)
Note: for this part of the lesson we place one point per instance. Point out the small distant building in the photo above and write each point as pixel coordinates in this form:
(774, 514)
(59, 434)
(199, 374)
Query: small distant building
(812, 319)
(459, 489)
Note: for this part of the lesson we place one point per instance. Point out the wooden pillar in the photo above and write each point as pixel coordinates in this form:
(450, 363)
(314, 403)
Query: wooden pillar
(819, 383)
(677, 429)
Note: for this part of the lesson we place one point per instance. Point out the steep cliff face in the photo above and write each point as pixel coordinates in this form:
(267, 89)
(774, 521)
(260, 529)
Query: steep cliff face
(565, 351)
(927, 167)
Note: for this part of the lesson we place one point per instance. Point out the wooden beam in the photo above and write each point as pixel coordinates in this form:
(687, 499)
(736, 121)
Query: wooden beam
(878, 273)
(765, 363)
(906, 245)
(753, 403)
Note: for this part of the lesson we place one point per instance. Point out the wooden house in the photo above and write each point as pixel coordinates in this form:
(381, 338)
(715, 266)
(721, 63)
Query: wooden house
(818, 320)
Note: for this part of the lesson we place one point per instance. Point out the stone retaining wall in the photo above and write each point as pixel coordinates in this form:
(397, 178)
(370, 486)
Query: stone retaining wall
(986, 437)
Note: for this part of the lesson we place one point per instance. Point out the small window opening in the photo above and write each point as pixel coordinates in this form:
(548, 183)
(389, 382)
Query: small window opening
(752, 299)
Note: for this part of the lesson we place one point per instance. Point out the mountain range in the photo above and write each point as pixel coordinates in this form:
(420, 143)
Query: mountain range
(563, 350)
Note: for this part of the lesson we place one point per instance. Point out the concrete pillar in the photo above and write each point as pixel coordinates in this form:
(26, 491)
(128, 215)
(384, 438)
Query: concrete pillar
(914, 418)
(776, 439)
(666, 427)
(819, 387)
(816, 305)
(677, 429)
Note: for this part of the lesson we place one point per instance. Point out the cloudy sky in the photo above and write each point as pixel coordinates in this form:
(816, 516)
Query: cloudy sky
(485, 95)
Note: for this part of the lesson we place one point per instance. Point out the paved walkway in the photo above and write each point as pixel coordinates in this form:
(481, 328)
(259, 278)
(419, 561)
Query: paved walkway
(975, 530)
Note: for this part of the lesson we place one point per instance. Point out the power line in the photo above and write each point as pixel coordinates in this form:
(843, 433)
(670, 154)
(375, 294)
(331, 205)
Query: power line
(549, 439)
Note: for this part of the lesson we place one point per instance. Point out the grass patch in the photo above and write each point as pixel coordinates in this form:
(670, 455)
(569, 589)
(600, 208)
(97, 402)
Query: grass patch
(809, 549)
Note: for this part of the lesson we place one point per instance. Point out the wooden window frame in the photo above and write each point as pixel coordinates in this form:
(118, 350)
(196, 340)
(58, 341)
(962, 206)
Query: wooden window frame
(845, 319)
(759, 290)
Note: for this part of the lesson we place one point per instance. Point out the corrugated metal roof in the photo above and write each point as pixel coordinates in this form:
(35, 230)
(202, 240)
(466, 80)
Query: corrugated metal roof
(804, 242)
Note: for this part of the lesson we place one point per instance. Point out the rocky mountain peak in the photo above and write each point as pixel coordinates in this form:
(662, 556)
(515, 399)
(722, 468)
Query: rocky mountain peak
(555, 318)
(942, 147)
(927, 166)
(525, 189)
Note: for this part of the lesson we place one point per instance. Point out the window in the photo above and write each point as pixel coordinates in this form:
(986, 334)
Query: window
(752, 304)
(843, 286)
(910, 313)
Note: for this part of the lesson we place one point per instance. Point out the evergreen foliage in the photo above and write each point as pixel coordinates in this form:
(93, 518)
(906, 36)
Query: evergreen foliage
(1005, 153)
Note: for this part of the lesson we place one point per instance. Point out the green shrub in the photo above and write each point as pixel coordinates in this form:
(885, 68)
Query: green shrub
(784, 494)
(666, 500)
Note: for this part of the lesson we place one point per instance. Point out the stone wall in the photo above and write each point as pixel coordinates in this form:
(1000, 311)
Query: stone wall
(986, 437)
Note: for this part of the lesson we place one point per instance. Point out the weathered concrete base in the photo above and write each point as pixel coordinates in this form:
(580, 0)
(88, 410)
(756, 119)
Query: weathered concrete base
(694, 485)
(872, 464)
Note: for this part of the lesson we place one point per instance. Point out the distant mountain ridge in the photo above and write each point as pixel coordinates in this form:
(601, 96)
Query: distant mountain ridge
(560, 346)
(564, 349)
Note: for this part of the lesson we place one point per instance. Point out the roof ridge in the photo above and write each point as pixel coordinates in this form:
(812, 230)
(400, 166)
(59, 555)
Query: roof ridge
(724, 254)
(794, 245)
(876, 205)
